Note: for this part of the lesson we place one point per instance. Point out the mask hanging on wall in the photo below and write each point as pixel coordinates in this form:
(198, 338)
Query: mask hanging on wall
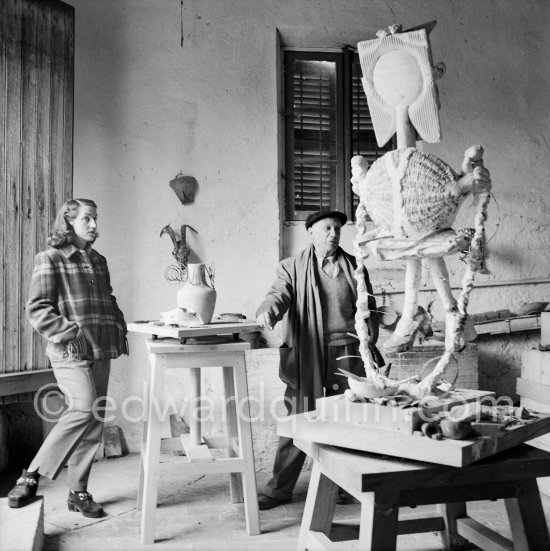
(185, 188)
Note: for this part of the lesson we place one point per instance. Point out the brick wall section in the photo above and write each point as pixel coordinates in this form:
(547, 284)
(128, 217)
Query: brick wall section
(423, 358)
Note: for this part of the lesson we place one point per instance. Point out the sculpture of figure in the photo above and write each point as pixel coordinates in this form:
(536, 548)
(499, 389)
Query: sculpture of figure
(413, 197)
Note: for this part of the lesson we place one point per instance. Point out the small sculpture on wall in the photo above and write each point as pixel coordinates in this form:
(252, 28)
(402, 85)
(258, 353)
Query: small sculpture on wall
(412, 196)
(185, 187)
(178, 272)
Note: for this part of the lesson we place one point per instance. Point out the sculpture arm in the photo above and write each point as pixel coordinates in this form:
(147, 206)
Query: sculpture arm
(475, 177)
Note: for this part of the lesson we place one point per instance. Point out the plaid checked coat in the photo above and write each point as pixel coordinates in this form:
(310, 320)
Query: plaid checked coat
(71, 305)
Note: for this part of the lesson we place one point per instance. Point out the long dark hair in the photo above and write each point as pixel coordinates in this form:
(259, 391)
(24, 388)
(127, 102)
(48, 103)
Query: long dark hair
(62, 230)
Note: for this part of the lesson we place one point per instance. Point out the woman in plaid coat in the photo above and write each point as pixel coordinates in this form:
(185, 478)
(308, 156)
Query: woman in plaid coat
(71, 305)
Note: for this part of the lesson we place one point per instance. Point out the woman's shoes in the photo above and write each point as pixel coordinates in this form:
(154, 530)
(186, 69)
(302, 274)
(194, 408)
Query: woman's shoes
(84, 502)
(24, 490)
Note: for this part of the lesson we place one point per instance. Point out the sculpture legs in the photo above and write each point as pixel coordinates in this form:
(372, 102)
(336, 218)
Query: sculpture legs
(405, 331)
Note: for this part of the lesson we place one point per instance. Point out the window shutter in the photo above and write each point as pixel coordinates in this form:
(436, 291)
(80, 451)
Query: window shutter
(312, 130)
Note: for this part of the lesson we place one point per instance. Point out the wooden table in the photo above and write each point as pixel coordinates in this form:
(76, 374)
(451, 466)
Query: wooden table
(169, 352)
(383, 484)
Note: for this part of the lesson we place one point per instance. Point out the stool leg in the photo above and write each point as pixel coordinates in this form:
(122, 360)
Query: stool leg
(152, 449)
(235, 480)
(533, 535)
(319, 508)
(195, 397)
(245, 443)
(450, 512)
(144, 432)
(379, 520)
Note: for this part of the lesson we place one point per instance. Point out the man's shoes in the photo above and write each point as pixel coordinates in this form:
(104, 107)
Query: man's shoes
(267, 502)
(24, 490)
(344, 498)
(84, 502)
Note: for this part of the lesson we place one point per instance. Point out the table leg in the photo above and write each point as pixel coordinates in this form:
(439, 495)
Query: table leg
(235, 480)
(195, 397)
(319, 508)
(144, 432)
(450, 513)
(379, 520)
(533, 535)
(244, 427)
(152, 448)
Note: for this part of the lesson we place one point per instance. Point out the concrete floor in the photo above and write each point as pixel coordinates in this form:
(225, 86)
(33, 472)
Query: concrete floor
(195, 513)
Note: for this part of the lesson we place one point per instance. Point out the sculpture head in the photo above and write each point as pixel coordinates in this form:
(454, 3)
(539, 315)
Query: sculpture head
(398, 73)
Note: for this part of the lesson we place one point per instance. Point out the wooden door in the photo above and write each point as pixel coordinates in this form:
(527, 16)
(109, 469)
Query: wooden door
(36, 156)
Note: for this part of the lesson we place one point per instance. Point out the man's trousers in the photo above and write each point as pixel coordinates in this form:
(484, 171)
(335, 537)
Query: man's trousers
(289, 459)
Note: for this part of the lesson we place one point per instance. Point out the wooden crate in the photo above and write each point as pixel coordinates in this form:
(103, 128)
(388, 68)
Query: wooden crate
(406, 420)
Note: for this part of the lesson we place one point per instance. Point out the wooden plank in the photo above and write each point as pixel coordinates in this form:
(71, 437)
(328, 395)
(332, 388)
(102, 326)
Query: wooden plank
(532, 515)
(4, 13)
(23, 528)
(534, 405)
(42, 182)
(12, 238)
(450, 513)
(545, 329)
(57, 104)
(174, 347)
(29, 381)
(535, 366)
(510, 325)
(482, 536)
(319, 506)
(68, 100)
(457, 453)
(534, 390)
(28, 161)
(187, 332)
(193, 452)
(515, 521)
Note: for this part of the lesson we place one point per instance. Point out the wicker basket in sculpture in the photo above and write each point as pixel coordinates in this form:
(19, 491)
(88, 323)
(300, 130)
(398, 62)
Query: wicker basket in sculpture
(420, 185)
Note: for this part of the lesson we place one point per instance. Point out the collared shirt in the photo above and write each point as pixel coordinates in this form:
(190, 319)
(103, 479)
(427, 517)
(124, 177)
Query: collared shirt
(329, 264)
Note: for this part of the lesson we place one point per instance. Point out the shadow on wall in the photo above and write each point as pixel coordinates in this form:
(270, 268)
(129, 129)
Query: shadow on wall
(500, 360)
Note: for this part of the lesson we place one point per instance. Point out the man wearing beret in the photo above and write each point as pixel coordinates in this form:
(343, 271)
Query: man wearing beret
(314, 293)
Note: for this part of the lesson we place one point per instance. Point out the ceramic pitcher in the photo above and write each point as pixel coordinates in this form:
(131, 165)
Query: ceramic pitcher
(197, 295)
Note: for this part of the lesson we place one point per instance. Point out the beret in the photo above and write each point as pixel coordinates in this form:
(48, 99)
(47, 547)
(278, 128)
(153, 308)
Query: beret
(319, 215)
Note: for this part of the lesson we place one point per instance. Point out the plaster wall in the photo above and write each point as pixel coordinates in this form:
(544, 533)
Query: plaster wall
(159, 90)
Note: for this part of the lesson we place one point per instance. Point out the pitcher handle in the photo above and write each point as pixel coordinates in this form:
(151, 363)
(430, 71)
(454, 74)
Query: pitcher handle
(210, 273)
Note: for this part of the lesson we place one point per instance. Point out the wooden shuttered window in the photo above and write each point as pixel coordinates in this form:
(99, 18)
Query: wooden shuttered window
(36, 120)
(327, 122)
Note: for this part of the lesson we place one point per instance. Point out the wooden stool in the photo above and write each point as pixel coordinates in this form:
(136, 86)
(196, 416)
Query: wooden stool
(383, 484)
(239, 462)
